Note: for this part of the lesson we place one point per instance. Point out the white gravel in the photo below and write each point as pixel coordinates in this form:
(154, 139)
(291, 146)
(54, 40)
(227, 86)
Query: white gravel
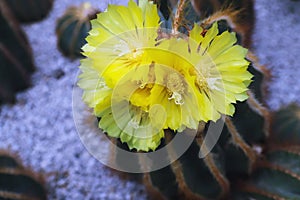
(277, 44)
(40, 125)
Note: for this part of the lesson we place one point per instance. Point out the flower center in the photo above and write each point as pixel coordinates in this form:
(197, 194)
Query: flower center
(176, 88)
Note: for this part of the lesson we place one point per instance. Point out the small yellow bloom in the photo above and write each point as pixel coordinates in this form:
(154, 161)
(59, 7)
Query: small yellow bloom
(139, 85)
(116, 47)
(220, 71)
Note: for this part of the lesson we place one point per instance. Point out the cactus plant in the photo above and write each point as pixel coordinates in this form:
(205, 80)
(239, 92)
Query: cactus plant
(286, 127)
(30, 10)
(240, 13)
(274, 172)
(260, 157)
(73, 27)
(15, 56)
(275, 177)
(18, 182)
(244, 163)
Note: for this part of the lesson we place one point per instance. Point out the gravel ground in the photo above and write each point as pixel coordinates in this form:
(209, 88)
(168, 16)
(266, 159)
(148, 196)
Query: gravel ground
(40, 125)
(277, 44)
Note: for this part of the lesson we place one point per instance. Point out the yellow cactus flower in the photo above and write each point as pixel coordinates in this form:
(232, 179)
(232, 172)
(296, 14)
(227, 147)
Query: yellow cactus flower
(116, 46)
(219, 71)
(139, 85)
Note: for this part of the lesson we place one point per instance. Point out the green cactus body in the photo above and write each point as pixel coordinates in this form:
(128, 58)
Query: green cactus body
(286, 125)
(121, 160)
(17, 182)
(235, 171)
(165, 7)
(30, 10)
(208, 178)
(168, 187)
(15, 56)
(72, 29)
(239, 13)
(206, 8)
(277, 173)
(277, 176)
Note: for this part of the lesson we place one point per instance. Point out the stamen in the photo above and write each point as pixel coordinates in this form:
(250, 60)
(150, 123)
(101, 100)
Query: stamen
(142, 85)
(177, 98)
(202, 84)
(176, 87)
(136, 53)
